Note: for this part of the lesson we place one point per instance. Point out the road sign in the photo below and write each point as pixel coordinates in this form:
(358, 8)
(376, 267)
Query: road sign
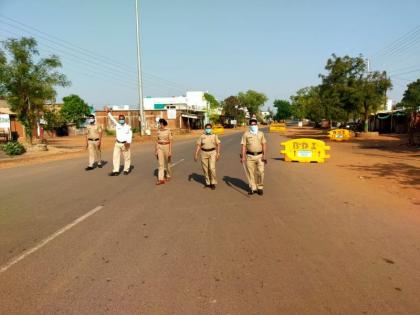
(305, 150)
(277, 127)
(339, 134)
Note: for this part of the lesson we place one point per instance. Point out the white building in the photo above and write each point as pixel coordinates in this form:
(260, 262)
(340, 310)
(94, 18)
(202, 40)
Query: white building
(182, 112)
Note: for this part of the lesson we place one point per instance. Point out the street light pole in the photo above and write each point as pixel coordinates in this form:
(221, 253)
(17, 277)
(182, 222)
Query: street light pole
(139, 75)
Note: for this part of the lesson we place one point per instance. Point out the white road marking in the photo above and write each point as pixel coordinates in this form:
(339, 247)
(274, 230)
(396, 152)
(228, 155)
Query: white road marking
(176, 163)
(49, 239)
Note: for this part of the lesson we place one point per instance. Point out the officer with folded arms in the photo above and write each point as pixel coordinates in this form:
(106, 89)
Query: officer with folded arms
(124, 136)
(254, 157)
(209, 145)
(93, 143)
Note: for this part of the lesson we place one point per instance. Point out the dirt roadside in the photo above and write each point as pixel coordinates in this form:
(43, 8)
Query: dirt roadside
(62, 148)
(384, 161)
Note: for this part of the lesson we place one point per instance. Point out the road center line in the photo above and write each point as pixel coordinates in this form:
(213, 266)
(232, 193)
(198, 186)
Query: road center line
(178, 162)
(49, 239)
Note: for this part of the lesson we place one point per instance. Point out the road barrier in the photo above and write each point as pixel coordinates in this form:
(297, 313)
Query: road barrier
(339, 134)
(218, 130)
(277, 127)
(305, 150)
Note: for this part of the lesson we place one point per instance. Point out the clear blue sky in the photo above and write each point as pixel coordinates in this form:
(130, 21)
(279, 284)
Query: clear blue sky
(220, 46)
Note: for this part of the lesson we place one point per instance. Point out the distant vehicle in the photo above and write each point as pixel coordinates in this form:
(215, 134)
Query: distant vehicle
(354, 126)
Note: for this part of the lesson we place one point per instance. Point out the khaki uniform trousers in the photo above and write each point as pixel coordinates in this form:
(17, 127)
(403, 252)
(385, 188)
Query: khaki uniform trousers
(163, 161)
(118, 149)
(208, 163)
(255, 171)
(94, 152)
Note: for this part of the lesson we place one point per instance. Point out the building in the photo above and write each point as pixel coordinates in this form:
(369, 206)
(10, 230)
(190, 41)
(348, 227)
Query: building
(10, 127)
(182, 112)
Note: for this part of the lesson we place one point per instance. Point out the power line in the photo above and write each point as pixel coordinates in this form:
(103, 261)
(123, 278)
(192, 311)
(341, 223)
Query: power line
(71, 46)
(397, 42)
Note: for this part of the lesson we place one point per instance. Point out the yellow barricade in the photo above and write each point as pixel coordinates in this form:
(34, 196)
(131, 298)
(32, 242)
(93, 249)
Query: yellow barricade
(305, 150)
(277, 127)
(339, 134)
(218, 130)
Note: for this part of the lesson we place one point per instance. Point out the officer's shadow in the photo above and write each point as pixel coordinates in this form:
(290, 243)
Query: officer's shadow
(197, 178)
(236, 183)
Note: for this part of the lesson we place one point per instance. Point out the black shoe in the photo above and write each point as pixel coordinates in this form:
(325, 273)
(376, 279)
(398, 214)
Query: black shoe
(260, 192)
(99, 165)
(251, 192)
(114, 174)
(207, 186)
(89, 168)
(213, 187)
(126, 172)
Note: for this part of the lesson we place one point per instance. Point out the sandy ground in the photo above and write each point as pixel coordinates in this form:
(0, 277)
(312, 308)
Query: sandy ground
(385, 161)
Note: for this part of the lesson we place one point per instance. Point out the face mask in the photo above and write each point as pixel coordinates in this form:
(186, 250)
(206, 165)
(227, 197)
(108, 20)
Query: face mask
(253, 129)
(91, 121)
(121, 121)
(208, 131)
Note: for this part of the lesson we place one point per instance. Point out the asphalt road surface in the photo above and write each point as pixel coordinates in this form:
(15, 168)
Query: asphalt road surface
(76, 242)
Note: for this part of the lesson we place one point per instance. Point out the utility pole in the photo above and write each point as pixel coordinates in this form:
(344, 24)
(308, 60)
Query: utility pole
(139, 75)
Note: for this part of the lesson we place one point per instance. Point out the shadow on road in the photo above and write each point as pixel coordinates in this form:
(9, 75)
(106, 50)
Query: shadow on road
(197, 177)
(405, 174)
(235, 182)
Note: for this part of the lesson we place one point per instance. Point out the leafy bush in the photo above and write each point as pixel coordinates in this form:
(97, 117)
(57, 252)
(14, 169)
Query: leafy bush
(14, 148)
(110, 132)
(135, 130)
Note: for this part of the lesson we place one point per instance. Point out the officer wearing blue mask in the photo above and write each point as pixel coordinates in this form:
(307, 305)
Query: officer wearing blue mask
(122, 145)
(253, 157)
(93, 143)
(209, 145)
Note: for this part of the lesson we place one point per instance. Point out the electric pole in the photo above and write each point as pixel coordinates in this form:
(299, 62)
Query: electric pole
(139, 74)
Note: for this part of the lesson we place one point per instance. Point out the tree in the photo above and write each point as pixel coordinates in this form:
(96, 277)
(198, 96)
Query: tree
(27, 84)
(411, 103)
(53, 119)
(306, 103)
(348, 89)
(370, 94)
(232, 108)
(284, 110)
(252, 101)
(74, 109)
(213, 106)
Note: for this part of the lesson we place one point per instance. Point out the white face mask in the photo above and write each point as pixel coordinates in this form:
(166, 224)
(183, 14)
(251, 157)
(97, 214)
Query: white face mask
(253, 129)
(91, 121)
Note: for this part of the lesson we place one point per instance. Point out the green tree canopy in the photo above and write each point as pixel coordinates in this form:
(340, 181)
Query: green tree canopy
(306, 103)
(74, 109)
(284, 109)
(252, 101)
(214, 104)
(349, 90)
(411, 103)
(27, 84)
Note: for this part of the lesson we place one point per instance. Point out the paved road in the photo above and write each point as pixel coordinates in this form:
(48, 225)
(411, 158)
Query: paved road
(310, 245)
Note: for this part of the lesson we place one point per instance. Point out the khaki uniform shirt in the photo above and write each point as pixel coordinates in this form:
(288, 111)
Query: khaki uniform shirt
(93, 131)
(253, 143)
(208, 142)
(164, 135)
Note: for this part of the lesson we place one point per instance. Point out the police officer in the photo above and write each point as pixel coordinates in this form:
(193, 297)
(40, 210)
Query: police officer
(163, 152)
(209, 145)
(93, 143)
(254, 150)
(122, 145)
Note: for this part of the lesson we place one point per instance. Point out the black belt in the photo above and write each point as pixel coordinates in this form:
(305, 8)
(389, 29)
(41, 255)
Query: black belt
(121, 141)
(93, 139)
(253, 153)
(208, 150)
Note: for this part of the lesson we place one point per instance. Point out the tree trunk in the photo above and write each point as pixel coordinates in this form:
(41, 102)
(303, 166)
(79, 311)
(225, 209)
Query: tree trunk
(412, 128)
(366, 119)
